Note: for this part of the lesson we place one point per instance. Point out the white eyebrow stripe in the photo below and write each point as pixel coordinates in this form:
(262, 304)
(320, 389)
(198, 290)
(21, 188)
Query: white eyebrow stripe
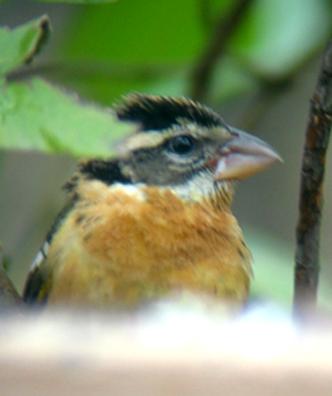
(143, 140)
(155, 138)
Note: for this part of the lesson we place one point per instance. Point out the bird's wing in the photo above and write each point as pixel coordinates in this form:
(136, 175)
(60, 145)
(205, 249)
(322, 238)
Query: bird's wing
(38, 284)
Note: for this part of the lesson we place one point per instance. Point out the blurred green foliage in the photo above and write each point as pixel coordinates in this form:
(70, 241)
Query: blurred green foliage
(79, 1)
(279, 35)
(148, 45)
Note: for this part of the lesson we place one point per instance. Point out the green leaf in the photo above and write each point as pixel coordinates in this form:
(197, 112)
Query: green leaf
(37, 116)
(19, 45)
(278, 35)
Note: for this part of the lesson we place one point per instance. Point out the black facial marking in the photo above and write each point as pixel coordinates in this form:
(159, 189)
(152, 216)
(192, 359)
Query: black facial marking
(108, 172)
(162, 112)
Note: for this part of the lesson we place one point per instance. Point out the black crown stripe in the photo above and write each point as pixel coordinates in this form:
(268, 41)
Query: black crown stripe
(162, 112)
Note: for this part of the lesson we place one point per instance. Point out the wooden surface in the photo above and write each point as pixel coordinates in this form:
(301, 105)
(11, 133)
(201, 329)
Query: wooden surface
(169, 351)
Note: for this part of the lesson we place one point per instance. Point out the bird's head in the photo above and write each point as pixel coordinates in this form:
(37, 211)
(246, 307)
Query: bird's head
(183, 146)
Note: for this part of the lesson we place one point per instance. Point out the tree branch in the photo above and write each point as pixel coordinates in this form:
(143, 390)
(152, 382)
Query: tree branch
(311, 191)
(205, 14)
(202, 73)
(9, 297)
(86, 70)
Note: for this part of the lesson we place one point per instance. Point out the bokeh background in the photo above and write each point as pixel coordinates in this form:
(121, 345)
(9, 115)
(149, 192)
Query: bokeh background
(260, 81)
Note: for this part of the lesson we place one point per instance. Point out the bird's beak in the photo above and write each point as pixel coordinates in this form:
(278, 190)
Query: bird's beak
(243, 155)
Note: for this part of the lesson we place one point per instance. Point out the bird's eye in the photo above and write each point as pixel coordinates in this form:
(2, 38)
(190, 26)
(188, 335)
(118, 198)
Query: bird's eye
(181, 145)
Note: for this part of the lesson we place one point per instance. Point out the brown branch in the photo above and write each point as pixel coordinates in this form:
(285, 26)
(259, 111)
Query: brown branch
(261, 102)
(311, 194)
(205, 14)
(8, 295)
(86, 70)
(9, 298)
(202, 73)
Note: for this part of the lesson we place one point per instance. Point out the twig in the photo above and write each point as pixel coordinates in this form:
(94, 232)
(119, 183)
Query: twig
(87, 70)
(202, 73)
(311, 194)
(269, 90)
(8, 295)
(9, 298)
(263, 99)
(205, 14)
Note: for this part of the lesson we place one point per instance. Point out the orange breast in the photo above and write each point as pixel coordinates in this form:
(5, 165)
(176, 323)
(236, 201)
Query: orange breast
(119, 247)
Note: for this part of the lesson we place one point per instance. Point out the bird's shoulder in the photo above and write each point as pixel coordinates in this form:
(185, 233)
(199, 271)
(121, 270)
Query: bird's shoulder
(37, 282)
(105, 173)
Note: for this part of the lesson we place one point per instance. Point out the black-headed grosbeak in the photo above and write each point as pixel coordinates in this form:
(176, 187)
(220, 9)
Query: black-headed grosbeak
(157, 218)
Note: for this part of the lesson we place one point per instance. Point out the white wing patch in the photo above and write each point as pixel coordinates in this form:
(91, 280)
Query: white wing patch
(41, 256)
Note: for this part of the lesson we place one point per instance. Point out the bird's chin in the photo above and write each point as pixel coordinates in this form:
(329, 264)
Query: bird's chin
(223, 192)
(220, 184)
(202, 187)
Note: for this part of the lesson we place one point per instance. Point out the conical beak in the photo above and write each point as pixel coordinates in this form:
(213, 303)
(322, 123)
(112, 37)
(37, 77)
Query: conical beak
(243, 156)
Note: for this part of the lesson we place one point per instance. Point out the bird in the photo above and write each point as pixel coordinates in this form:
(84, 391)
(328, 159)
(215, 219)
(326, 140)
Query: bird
(156, 218)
